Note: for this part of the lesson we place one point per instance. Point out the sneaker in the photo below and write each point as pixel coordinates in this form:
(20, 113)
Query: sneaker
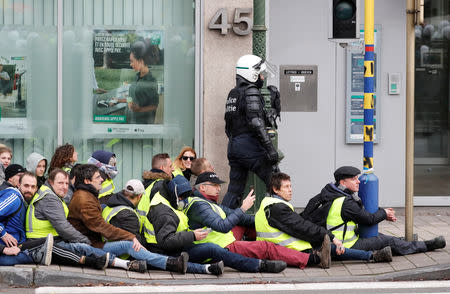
(42, 254)
(272, 266)
(436, 243)
(97, 262)
(178, 264)
(325, 253)
(216, 268)
(139, 266)
(383, 255)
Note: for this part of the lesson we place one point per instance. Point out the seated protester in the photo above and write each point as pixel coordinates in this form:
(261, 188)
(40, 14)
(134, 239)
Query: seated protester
(5, 160)
(85, 215)
(12, 175)
(71, 188)
(161, 170)
(204, 211)
(171, 234)
(277, 222)
(106, 162)
(121, 212)
(12, 217)
(182, 163)
(199, 166)
(37, 164)
(345, 210)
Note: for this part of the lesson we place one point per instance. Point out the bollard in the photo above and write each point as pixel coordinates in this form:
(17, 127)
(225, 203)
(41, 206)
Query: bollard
(368, 192)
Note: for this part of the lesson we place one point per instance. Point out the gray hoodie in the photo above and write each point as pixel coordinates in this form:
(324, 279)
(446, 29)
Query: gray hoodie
(32, 163)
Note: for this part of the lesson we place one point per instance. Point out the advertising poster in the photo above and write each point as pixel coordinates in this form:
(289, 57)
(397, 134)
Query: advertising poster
(128, 81)
(13, 96)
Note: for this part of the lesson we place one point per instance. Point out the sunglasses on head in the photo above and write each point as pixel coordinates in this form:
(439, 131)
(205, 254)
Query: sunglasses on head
(188, 157)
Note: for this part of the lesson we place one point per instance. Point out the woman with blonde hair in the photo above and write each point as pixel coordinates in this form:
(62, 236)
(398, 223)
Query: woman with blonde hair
(183, 162)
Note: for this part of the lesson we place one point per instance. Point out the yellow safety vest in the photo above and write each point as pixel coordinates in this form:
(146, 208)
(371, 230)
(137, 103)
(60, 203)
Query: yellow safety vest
(221, 239)
(142, 209)
(177, 172)
(36, 228)
(107, 188)
(334, 220)
(265, 232)
(183, 220)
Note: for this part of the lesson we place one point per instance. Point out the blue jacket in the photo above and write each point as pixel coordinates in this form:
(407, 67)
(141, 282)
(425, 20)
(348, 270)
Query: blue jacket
(12, 214)
(201, 214)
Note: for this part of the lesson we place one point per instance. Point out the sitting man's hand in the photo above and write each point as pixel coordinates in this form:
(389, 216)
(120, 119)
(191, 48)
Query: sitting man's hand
(9, 240)
(200, 234)
(390, 214)
(11, 250)
(340, 249)
(248, 201)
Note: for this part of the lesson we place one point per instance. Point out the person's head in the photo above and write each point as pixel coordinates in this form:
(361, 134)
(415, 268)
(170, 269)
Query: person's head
(73, 173)
(89, 174)
(163, 162)
(64, 155)
(208, 183)
(253, 69)
(280, 184)
(106, 162)
(185, 158)
(179, 190)
(143, 54)
(27, 185)
(201, 165)
(13, 173)
(348, 176)
(134, 189)
(105, 157)
(37, 164)
(59, 180)
(5, 155)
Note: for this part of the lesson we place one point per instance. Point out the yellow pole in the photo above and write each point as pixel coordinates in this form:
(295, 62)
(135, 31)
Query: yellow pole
(409, 177)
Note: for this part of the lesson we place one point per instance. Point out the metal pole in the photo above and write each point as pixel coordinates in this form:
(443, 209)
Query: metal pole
(410, 64)
(369, 181)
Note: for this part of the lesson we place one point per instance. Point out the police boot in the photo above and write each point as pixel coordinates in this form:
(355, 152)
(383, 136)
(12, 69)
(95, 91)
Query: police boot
(436, 243)
(178, 264)
(383, 255)
(272, 266)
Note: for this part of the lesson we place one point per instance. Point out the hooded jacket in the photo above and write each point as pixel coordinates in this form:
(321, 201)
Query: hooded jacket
(165, 223)
(31, 164)
(124, 219)
(149, 176)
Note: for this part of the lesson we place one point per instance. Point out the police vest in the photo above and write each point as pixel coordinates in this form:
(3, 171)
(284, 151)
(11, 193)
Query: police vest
(183, 220)
(35, 227)
(109, 212)
(344, 231)
(235, 118)
(265, 232)
(107, 188)
(221, 239)
(142, 210)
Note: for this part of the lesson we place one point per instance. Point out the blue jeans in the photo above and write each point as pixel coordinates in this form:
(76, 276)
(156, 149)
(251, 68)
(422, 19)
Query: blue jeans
(350, 254)
(200, 252)
(21, 258)
(126, 247)
(86, 250)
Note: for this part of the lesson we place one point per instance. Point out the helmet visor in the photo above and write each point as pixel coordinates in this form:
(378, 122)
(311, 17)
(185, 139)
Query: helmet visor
(268, 69)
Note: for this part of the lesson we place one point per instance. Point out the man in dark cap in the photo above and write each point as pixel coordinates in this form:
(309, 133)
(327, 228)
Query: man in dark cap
(12, 175)
(339, 208)
(106, 162)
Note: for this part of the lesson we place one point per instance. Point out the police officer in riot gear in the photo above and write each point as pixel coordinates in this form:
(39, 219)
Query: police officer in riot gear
(249, 147)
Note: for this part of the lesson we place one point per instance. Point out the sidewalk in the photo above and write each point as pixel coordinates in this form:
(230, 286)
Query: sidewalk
(429, 222)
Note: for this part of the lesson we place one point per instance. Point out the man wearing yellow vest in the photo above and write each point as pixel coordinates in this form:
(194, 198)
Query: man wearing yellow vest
(106, 162)
(276, 215)
(171, 232)
(203, 211)
(346, 211)
(121, 213)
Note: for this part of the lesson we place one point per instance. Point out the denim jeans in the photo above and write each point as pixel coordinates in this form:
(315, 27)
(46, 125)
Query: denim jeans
(84, 249)
(201, 252)
(350, 254)
(21, 258)
(126, 247)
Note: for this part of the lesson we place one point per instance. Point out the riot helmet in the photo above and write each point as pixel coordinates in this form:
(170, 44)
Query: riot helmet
(250, 66)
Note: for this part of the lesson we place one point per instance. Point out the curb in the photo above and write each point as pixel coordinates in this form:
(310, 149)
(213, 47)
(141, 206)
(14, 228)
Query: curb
(38, 277)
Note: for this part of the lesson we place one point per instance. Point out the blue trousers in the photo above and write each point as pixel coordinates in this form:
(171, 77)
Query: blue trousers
(21, 258)
(245, 153)
(351, 254)
(205, 251)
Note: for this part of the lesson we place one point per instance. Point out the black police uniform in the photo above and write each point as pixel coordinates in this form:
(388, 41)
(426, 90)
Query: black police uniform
(249, 145)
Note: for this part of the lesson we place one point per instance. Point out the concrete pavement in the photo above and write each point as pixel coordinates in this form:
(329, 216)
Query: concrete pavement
(428, 223)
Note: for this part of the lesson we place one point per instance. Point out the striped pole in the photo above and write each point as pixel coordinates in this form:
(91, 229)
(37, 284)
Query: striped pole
(368, 188)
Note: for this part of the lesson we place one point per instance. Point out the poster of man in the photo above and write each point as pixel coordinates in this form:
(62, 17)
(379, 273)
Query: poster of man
(128, 77)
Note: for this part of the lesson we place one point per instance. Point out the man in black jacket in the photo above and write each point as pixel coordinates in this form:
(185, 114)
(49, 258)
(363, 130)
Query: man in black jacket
(351, 209)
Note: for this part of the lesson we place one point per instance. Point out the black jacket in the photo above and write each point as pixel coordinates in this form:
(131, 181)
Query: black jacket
(282, 217)
(165, 223)
(125, 219)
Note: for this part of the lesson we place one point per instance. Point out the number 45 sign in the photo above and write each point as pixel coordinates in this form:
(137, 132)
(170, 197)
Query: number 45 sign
(220, 21)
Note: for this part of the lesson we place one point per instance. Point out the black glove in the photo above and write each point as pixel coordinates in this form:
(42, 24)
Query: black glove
(272, 154)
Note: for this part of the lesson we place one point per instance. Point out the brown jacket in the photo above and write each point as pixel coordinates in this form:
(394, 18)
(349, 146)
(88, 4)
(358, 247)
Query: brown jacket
(85, 215)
